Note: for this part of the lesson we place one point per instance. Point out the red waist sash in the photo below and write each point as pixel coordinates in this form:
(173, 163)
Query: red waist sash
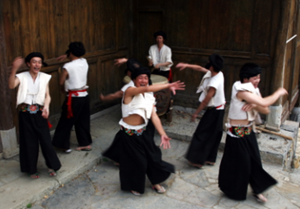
(69, 103)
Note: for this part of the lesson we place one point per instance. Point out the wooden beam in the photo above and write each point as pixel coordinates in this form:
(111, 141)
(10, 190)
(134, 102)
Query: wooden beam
(6, 119)
(279, 58)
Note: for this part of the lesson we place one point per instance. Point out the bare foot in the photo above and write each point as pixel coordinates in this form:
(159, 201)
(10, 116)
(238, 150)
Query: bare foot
(195, 165)
(87, 148)
(34, 176)
(260, 198)
(159, 189)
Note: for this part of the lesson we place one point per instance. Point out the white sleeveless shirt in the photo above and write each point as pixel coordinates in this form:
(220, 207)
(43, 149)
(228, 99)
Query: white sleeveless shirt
(141, 105)
(235, 109)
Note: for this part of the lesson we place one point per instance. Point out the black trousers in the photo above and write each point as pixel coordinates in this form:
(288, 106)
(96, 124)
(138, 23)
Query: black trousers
(140, 156)
(34, 131)
(113, 152)
(207, 137)
(241, 165)
(81, 121)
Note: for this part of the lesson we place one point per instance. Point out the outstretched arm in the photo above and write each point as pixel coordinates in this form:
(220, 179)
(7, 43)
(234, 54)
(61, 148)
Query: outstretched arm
(182, 66)
(109, 97)
(120, 61)
(165, 140)
(259, 101)
(13, 80)
(177, 85)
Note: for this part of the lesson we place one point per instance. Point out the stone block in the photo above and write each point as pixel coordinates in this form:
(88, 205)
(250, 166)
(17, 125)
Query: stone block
(274, 118)
(9, 143)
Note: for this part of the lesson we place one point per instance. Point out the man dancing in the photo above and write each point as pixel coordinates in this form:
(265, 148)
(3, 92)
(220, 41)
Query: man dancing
(76, 107)
(33, 100)
(206, 139)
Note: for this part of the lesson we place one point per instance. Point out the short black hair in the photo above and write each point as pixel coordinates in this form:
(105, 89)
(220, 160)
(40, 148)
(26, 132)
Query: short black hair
(249, 70)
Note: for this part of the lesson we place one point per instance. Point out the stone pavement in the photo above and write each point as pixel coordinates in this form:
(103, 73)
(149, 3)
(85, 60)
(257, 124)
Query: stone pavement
(84, 183)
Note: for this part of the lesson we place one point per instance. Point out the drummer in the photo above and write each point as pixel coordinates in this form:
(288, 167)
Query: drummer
(160, 56)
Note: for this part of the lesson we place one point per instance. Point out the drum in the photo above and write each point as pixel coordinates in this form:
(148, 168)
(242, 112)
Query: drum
(163, 97)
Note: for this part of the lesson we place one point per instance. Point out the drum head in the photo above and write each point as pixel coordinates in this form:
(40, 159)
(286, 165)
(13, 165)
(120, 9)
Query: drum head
(156, 79)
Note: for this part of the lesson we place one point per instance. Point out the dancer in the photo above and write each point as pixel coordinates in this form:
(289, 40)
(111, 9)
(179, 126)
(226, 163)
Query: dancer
(241, 163)
(113, 152)
(76, 107)
(206, 139)
(160, 56)
(33, 100)
(136, 157)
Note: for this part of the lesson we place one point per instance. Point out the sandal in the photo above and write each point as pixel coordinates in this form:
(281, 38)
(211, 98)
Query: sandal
(161, 189)
(135, 193)
(34, 176)
(52, 172)
(67, 151)
(209, 163)
(260, 198)
(88, 148)
(199, 166)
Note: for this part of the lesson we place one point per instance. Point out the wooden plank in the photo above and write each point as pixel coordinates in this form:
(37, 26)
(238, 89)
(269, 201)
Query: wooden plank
(281, 48)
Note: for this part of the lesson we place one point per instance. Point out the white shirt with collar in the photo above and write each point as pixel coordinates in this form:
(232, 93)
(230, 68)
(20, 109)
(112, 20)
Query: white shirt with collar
(161, 56)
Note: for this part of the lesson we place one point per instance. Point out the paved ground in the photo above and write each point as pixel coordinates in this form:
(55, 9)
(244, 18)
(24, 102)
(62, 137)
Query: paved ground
(84, 183)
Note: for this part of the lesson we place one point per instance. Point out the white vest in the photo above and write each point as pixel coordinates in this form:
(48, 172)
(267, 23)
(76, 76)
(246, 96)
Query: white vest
(141, 105)
(235, 109)
(22, 92)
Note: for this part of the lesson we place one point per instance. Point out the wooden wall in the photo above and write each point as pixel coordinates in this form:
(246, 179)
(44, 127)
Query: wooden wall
(240, 31)
(48, 26)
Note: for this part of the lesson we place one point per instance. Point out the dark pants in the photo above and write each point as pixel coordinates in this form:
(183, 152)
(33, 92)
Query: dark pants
(113, 152)
(140, 156)
(81, 121)
(207, 137)
(34, 131)
(241, 165)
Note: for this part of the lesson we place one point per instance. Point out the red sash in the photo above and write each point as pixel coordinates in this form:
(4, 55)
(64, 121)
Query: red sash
(69, 103)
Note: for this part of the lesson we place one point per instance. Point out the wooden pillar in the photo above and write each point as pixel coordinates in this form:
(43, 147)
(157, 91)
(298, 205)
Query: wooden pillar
(8, 139)
(274, 118)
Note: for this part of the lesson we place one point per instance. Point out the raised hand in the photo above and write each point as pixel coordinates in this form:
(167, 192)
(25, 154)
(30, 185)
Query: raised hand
(282, 91)
(165, 142)
(120, 61)
(18, 61)
(181, 65)
(61, 58)
(177, 85)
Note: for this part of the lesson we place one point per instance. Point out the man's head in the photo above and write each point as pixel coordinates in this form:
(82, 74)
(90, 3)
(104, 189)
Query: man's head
(140, 76)
(250, 72)
(34, 61)
(160, 37)
(216, 61)
(76, 49)
(132, 64)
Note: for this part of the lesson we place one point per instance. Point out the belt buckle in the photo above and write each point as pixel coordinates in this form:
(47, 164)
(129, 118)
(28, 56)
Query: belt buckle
(32, 109)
